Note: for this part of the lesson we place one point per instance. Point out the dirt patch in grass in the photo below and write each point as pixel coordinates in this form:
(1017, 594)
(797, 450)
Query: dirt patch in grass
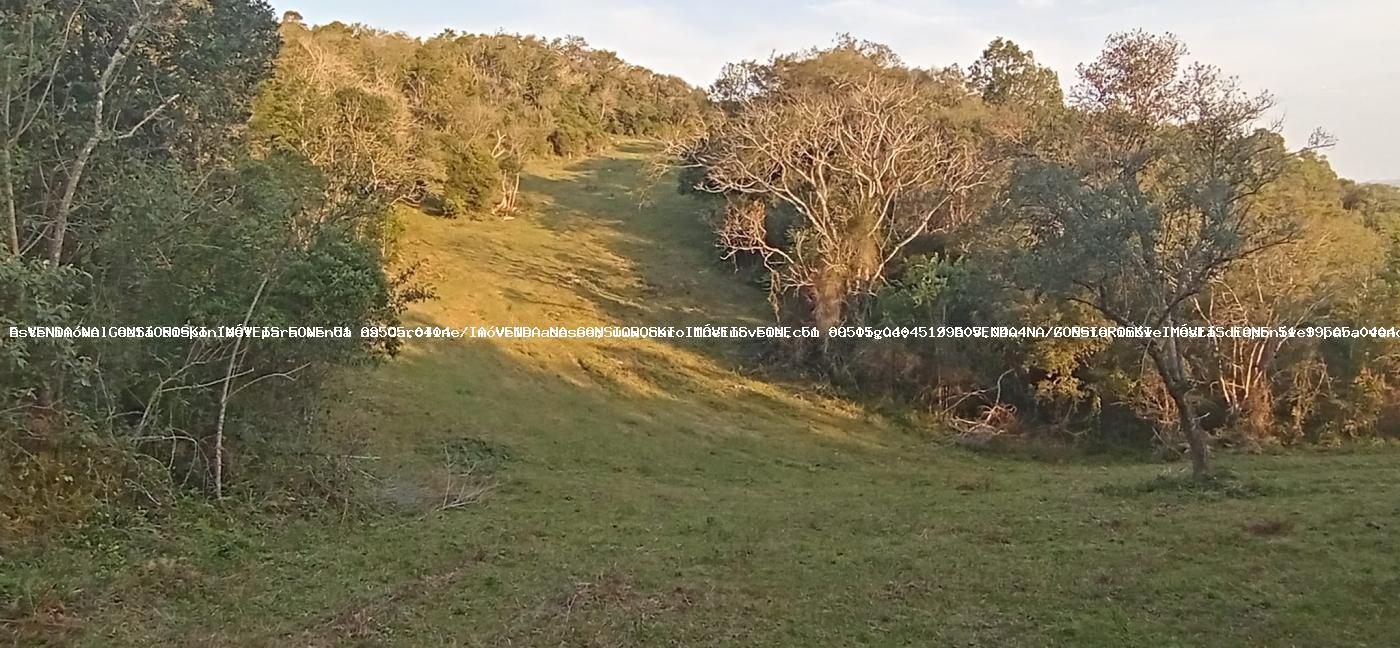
(610, 609)
(1270, 528)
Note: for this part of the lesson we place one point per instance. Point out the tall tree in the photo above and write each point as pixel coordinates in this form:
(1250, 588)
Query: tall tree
(1005, 74)
(1157, 202)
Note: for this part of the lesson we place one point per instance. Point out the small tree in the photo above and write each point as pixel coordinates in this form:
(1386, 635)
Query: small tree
(1157, 202)
(471, 180)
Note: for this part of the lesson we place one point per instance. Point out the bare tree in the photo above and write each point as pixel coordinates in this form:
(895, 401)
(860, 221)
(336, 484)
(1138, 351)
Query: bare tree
(29, 67)
(1291, 286)
(103, 128)
(864, 164)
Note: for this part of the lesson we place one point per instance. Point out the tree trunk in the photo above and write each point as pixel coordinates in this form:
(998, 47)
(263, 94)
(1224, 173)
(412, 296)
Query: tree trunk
(828, 293)
(1172, 368)
(217, 465)
(70, 191)
(11, 212)
(1191, 429)
(1255, 414)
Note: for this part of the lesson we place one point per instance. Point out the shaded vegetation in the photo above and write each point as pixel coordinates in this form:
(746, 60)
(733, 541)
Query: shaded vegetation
(171, 164)
(176, 164)
(656, 493)
(1153, 193)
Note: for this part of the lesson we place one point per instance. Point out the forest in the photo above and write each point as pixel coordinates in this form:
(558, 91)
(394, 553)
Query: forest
(206, 165)
(184, 164)
(1154, 192)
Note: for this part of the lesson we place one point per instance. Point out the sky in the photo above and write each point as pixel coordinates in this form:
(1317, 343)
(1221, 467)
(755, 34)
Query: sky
(1333, 65)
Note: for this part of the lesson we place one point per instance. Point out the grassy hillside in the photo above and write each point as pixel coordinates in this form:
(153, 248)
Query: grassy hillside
(653, 493)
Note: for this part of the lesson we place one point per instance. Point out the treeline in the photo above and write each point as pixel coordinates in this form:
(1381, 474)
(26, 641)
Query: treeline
(1154, 192)
(168, 163)
(445, 123)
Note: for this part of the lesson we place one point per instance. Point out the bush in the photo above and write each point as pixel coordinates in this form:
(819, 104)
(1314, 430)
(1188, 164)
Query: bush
(471, 180)
(32, 293)
(575, 134)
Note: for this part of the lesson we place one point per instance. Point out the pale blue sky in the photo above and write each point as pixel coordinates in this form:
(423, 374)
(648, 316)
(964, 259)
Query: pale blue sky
(1334, 65)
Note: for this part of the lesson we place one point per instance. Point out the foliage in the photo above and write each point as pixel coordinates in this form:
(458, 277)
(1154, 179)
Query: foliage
(866, 153)
(1155, 196)
(33, 294)
(471, 180)
(446, 122)
(196, 164)
(133, 200)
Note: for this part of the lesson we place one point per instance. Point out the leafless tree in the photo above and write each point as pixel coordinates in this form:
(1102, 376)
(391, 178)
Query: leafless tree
(865, 164)
(1282, 287)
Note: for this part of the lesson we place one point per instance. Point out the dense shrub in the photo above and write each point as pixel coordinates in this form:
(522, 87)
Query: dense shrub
(1096, 212)
(169, 220)
(446, 122)
(471, 182)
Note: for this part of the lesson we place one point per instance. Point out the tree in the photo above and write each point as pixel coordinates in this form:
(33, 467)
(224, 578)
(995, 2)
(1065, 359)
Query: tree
(864, 164)
(1301, 284)
(92, 91)
(1158, 202)
(130, 197)
(1007, 75)
(85, 84)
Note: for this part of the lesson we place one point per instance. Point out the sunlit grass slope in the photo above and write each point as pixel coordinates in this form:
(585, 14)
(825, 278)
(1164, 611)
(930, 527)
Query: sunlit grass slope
(653, 493)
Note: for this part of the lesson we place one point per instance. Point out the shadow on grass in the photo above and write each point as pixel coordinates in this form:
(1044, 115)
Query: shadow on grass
(1014, 448)
(1221, 485)
(659, 233)
(632, 411)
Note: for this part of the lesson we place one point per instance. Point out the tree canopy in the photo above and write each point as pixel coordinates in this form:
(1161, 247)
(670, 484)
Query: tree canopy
(1153, 193)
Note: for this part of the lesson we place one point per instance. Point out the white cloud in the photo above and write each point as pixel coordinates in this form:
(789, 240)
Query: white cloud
(889, 12)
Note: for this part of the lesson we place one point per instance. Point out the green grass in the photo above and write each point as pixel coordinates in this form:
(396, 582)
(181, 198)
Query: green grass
(654, 493)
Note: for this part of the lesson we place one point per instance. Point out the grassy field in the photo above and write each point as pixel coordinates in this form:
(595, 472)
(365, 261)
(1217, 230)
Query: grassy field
(654, 493)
